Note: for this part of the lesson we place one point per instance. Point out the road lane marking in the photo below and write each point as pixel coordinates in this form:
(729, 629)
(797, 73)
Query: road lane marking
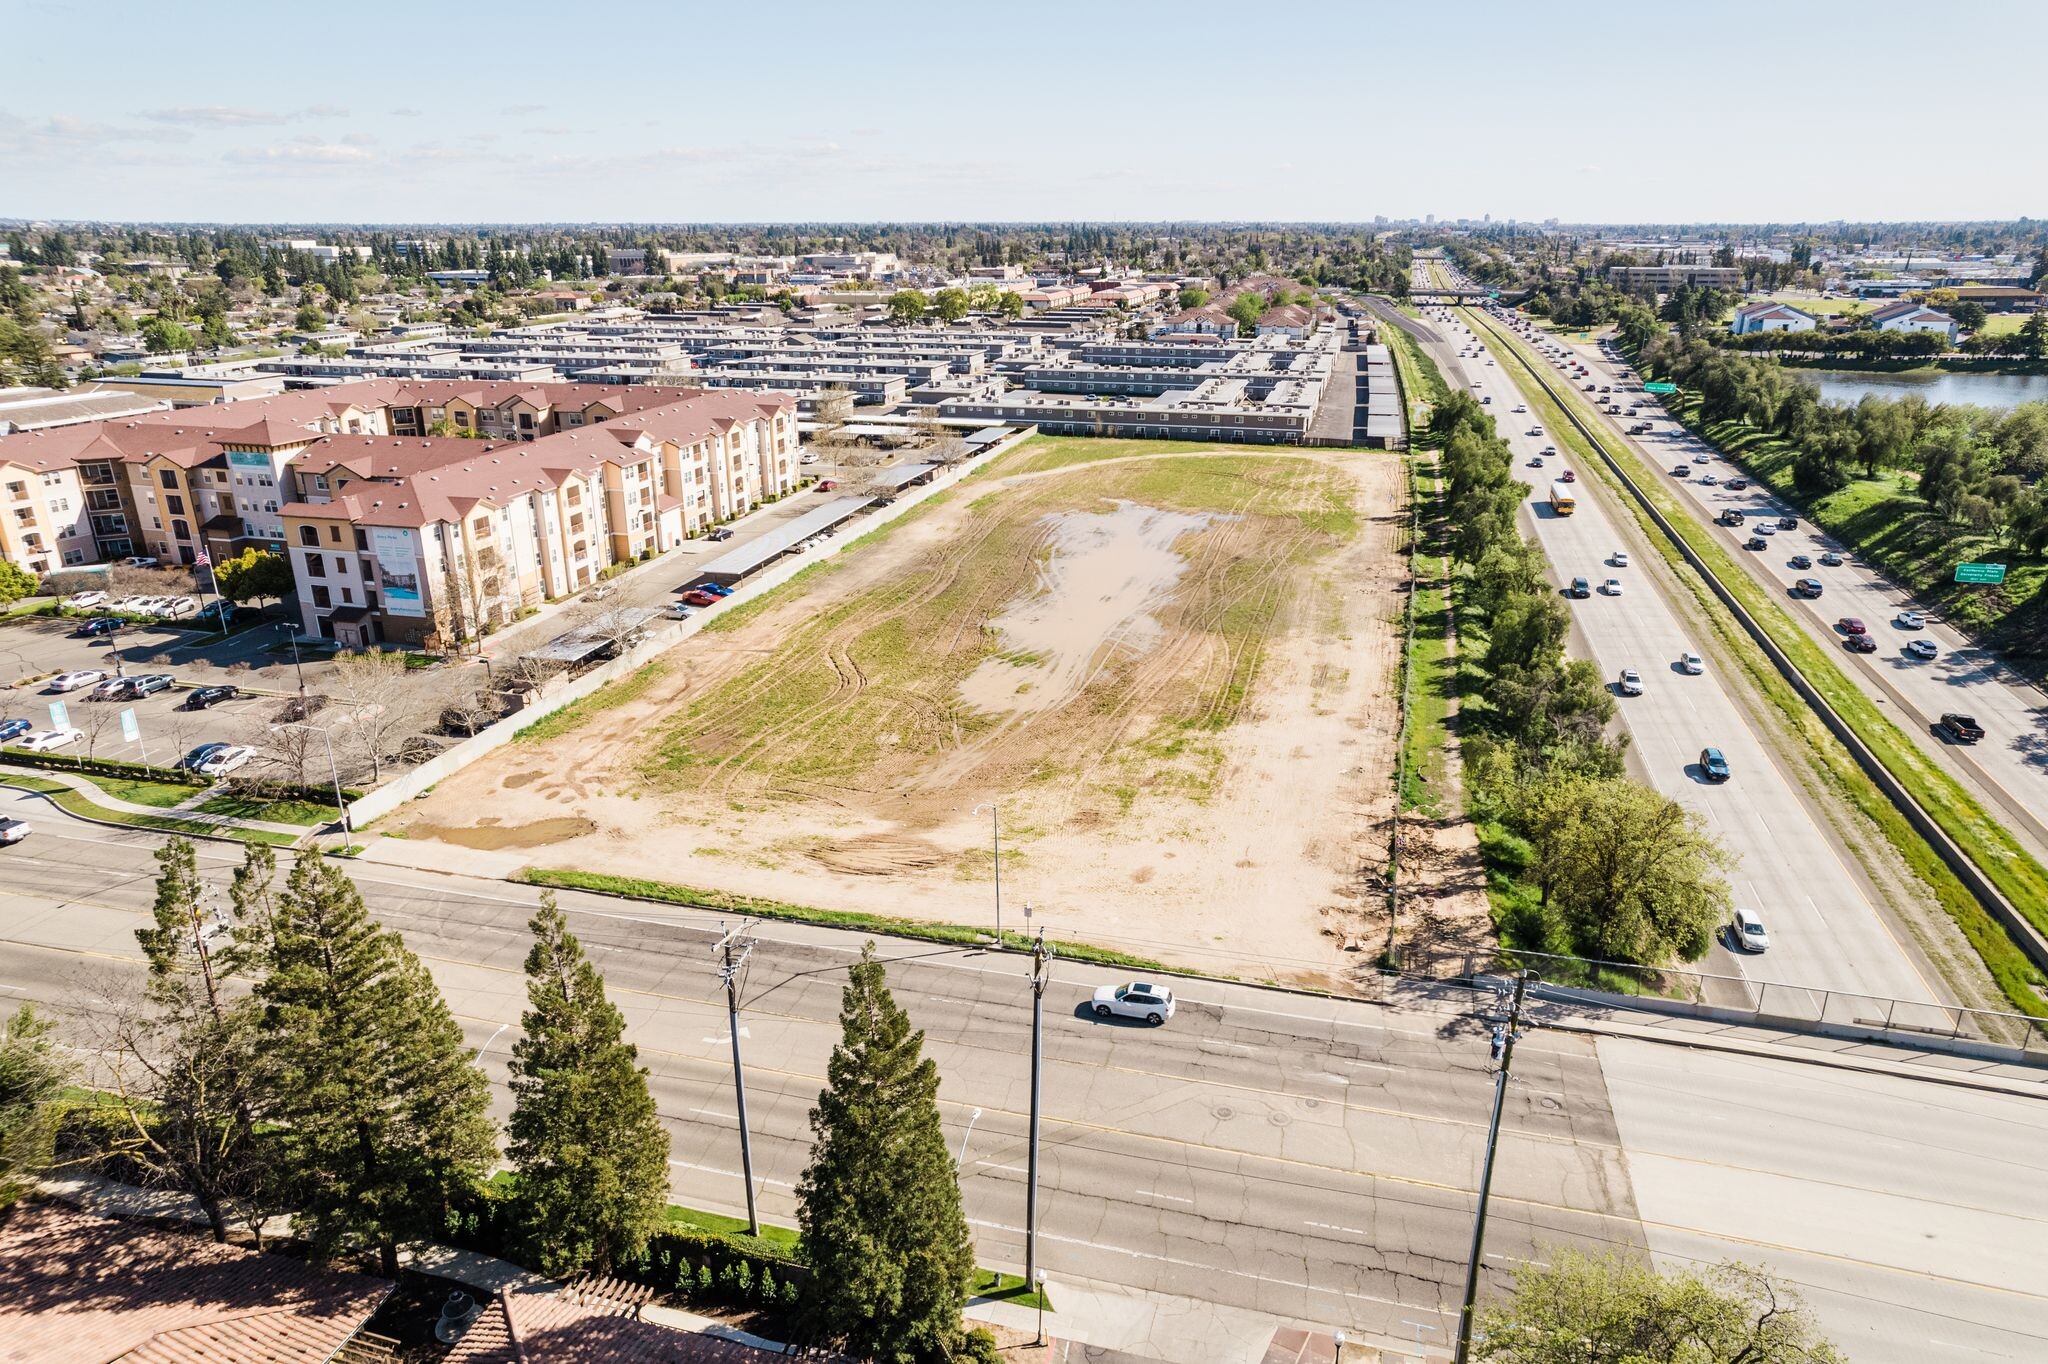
(1154, 1193)
(729, 1174)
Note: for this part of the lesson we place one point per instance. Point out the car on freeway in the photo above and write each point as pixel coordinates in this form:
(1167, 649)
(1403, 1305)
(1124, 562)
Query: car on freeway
(1962, 728)
(1549, 449)
(1801, 561)
(715, 589)
(202, 697)
(1911, 620)
(1807, 587)
(1136, 999)
(1579, 588)
(1788, 523)
(1521, 407)
(224, 760)
(1766, 528)
(1535, 461)
(1922, 647)
(99, 625)
(1611, 588)
(1702, 459)
(1748, 931)
(1690, 662)
(1737, 484)
(12, 831)
(1713, 766)
(1618, 559)
(83, 677)
(1852, 625)
(43, 740)
(1631, 683)
(1486, 400)
(696, 598)
(1567, 477)
(1535, 430)
(722, 534)
(1681, 471)
(1831, 560)
(1708, 478)
(678, 611)
(1860, 644)
(1756, 542)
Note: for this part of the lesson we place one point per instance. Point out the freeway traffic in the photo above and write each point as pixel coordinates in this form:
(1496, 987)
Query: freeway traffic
(1829, 929)
(1266, 1158)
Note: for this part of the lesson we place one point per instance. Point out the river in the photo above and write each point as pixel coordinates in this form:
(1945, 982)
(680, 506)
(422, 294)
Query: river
(1936, 386)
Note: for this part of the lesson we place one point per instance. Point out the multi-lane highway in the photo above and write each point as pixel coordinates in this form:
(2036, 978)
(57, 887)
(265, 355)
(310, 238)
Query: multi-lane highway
(1266, 1158)
(2009, 767)
(1829, 930)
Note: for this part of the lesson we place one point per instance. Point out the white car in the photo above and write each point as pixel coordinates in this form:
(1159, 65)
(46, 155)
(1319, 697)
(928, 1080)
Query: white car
(1618, 559)
(1136, 999)
(1701, 459)
(1922, 647)
(1611, 588)
(108, 689)
(1749, 931)
(1912, 620)
(13, 831)
(1689, 662)
(808, 459)
(133, 605)
(224, 761)
(1519, 407)
(43, 740)
(1631, 683)
(84, 677)
(681, 611)
(1708, 477)
(82, 600)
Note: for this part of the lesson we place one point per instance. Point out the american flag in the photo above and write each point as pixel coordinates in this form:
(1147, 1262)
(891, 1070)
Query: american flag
(203, 561)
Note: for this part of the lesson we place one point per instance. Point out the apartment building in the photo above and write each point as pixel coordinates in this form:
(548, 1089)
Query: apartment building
(1665, 278)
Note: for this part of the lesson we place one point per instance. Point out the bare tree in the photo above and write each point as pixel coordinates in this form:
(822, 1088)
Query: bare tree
(96, 718)
(292, 754)
(385, 705)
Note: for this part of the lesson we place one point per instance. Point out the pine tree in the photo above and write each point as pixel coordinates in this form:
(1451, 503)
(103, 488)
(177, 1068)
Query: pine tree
(879, 1207)
(382, 1106)
(591, 1154)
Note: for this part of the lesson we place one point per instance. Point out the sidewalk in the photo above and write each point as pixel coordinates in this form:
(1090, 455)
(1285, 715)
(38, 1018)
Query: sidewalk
(184, 810)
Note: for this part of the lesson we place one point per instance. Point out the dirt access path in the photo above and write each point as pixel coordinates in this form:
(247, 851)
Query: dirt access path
(1174, 671)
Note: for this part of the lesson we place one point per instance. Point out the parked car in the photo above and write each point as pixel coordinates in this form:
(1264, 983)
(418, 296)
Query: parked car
(1962, 728)
(1852, 625)
(1748, 931)
(721, 535)
(43, 740)
(715, 589)
(678, 611)
(72, 681)
(696, 598)
(600, 592)
(12, 831)
(1923, 647)
(224, 760)
(190, 762)
(81, 600)
(1713, 766)
(828, 485)
(1138, 999)
(1631, 683)
(202, 697)
(139, 561)
(1911, 620)
(149, 684)
(10, 730)
(100, 625)
(113, 689)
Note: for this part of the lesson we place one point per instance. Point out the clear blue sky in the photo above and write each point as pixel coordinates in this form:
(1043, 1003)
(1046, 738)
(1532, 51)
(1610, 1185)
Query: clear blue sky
(1788, 110)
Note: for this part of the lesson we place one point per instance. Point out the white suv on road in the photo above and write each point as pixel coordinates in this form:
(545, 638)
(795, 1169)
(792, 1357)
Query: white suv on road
(1153, 1003)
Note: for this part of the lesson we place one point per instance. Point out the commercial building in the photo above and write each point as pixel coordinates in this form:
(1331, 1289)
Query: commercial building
(1771, 317)
(1665, 278)
(1912, 317)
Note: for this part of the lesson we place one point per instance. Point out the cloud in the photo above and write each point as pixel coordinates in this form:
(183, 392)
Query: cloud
(300, 153)
(408, 113)
(21, 136)
(557, 130)
(215, 116)
(324, 111)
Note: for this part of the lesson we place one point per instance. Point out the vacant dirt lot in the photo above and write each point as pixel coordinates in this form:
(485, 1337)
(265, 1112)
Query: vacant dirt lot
(1173, 670)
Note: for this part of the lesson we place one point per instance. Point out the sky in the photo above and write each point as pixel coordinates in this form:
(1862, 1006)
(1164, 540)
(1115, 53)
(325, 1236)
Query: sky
(1133, 110)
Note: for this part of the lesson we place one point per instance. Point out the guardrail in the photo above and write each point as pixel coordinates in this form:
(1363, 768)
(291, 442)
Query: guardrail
(2024, 935)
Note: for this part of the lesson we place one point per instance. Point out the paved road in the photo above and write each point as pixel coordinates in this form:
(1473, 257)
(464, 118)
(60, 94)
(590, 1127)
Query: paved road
(1309, 1160)
(1827, 930)
(2009, 768)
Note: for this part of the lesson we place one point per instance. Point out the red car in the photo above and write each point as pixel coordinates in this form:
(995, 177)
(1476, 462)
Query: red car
(827, 485)
(1567, 477)
(1852, 626)
(696, 598)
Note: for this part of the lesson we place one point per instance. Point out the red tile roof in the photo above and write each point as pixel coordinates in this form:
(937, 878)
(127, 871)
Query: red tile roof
(562, 1327)
(79, 1289)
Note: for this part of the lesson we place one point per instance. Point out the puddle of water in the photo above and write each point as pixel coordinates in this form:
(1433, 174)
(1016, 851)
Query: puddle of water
(1092, 603)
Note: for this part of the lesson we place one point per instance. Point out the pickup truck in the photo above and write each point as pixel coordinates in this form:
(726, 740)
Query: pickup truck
(1964, 729)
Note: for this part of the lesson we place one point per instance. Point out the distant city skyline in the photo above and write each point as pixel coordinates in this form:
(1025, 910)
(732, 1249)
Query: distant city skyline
(1142, 111)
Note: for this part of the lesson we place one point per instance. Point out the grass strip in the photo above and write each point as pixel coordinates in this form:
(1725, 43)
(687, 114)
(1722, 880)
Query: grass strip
(925, 930)
(1983, 840)
(608, 697)
(143, 791)
(304, 812)
(77, 803)
(1428, 675)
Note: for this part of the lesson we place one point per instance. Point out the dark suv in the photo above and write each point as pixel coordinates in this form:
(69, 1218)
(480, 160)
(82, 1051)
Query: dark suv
(1713, 766)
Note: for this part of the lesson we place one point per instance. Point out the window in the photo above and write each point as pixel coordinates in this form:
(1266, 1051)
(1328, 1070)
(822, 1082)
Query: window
(168, 477)
(321, 596)
(362, 540)
(308, 535)
(340, 567)
(334, 534)
(316, 566)
(174, 505)
(181, 530)
(348, 596)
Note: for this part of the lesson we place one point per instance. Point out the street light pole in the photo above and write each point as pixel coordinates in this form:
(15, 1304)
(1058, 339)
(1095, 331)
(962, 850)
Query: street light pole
(729, 972)
(972, 1118)
(291, 635)
(348, 829)
(1504, 1036)
(1041, 964)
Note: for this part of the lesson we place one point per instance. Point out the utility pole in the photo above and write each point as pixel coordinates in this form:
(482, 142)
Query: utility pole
(1504, 1035)
(1041, 972)
(995, 832)
(729, 969)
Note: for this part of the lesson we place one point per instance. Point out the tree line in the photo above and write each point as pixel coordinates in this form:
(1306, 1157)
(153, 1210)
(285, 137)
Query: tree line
(1618, 871)
(285, 1052)
(1979, 470)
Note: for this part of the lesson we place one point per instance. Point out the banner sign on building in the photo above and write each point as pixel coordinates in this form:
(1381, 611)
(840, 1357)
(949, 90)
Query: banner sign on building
(249, 459)
(398, 569)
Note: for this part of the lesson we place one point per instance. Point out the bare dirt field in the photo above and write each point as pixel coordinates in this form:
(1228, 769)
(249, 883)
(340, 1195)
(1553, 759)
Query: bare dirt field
(1173, 670)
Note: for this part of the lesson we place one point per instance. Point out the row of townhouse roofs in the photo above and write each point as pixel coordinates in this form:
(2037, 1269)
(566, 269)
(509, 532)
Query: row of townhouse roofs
(1766, 315)
(396, 535)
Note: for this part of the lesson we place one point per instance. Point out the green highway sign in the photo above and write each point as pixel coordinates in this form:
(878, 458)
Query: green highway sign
(1980, 573)
(1660, 388)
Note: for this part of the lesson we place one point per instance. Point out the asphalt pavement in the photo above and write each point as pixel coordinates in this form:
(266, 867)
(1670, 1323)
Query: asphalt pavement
(1264, 1158)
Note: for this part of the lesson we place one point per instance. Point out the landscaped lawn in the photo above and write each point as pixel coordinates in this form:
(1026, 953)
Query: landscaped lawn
(143, 791)
(275, 811)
